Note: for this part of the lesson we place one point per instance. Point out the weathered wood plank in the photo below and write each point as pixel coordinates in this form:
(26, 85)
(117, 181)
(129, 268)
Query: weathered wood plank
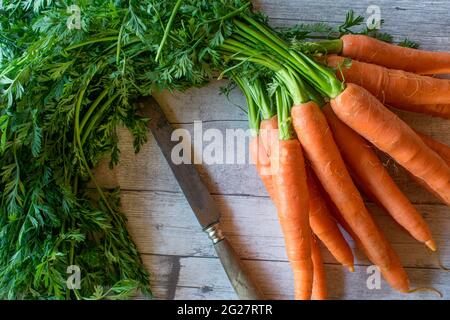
(204, 278)
(162, 223)
(205, 104)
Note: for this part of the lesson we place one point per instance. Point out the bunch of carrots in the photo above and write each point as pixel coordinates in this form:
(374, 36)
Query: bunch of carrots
(315, 128)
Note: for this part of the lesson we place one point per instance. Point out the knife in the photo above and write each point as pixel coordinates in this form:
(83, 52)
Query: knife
(201, 202)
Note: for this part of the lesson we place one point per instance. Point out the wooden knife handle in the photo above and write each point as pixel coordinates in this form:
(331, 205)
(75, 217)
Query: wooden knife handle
(240, 279)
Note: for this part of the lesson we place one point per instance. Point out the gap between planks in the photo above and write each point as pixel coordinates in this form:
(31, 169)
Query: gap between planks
(206, 279)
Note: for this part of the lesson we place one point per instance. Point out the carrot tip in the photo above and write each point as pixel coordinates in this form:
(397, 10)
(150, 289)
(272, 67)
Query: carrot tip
(351, 268)
(431, 244)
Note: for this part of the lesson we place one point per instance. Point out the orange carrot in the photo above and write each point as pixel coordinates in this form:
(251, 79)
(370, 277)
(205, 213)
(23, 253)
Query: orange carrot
(293, 208)
(361, 111)
(395, 274)
(324, 226)
(260, 152)
(316, 138)
(319, 290)
(394, 87)
(365, 164)
(440, 148)
(262, 163)
(368, 49)
(269, 133)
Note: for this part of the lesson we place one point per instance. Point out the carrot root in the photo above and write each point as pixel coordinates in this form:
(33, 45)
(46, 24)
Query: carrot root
(293, 212)
(371, 50)
(319, 291)
(371, 175)
(317, 141)
(362, 112)
(324, 226)
(393, 87)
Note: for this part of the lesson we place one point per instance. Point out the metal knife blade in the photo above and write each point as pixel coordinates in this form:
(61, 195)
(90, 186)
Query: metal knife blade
(187, 176)
(201, 203)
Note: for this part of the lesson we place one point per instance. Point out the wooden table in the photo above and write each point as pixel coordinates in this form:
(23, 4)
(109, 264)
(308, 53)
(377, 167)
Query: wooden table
(177, 253)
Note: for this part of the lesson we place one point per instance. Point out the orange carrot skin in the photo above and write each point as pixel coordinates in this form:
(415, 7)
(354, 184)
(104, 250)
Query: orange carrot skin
(395, 275)
(441, 149)
(293, 209)
(319, 146)
(324, 226)
(322, 223)
(262, 163)
(368, 49)
(260, 152)
(362, 112)
(394, 87)
(366, 165)
(269, 133)
(319, 291)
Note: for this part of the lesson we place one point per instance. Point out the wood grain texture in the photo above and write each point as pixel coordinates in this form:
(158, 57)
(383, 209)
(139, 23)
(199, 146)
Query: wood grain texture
(179, 255)
(162, 221)
(203, 278)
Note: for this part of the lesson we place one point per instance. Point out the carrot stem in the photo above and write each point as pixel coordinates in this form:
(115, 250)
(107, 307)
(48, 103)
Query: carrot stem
(283, 110)
(254, 35)
(253, 114)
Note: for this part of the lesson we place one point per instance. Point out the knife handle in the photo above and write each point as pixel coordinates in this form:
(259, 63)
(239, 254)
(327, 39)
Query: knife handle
(240, 279)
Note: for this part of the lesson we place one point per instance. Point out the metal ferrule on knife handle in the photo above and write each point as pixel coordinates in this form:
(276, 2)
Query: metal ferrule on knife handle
(215, 233)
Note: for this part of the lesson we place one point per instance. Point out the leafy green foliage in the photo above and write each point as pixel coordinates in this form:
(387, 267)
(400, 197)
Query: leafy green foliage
(409, 44)
(351, 21)
(49, 217)
(63, 94)
(353, 24)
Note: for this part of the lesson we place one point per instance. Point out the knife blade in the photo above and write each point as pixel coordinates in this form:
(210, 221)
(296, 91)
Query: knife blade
(201, 202)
